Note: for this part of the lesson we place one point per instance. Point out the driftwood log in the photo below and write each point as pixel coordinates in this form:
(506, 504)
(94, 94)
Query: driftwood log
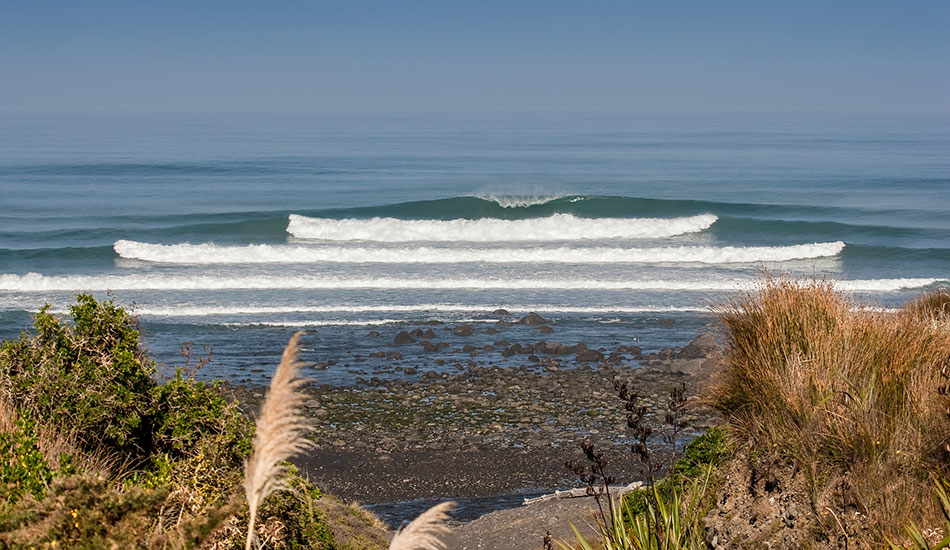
(616, 491)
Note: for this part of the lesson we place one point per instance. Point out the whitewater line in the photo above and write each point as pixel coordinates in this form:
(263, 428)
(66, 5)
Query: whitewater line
(209, 253)
(557, 227)
(34, 282)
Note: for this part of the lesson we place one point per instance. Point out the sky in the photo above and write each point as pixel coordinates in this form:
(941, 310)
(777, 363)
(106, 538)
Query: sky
(443, 55)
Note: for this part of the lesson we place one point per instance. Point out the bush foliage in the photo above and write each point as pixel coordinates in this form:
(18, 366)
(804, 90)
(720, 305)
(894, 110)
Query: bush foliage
(174, 451)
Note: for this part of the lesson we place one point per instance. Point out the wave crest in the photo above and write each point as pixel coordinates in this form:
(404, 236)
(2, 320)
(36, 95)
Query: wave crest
(521, 201)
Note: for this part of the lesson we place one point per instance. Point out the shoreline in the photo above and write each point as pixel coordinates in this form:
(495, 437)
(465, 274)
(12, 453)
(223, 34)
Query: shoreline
(491, 433)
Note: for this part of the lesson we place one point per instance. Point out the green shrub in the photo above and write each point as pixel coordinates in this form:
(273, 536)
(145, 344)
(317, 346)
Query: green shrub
(89, 377)
(710, 449)
(23, 466)
(179, 450)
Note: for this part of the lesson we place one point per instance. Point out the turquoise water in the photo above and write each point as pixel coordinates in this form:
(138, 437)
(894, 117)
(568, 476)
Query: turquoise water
(233, 231)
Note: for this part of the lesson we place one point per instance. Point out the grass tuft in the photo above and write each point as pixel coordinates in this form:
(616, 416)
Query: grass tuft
(843, 390)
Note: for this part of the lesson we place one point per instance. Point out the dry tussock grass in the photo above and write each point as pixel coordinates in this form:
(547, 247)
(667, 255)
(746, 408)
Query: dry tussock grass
(844, 390)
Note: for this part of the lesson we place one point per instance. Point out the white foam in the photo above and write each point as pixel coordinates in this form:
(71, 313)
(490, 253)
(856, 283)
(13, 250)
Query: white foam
(34, 282)
(558, 227)
(521, 201)
(209, 311)
(338, 322)
(209, 253)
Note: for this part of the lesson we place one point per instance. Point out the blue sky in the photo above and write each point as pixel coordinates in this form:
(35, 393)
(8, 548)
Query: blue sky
(484, 55)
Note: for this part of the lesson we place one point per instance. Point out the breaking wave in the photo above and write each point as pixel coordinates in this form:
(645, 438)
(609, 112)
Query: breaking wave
(209, 253)
(557, 227)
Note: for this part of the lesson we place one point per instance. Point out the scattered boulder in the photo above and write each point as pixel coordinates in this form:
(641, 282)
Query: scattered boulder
(666, 322)
(553, 348)
(463, 330)
(500, 311)
(428, 334)
(429, 346)
(404, 338)
(589, 356)
(491, 330)
(633, 350)
(701, 346)
(533, 319)
(372, 334)
(686, 366)
(544, 329)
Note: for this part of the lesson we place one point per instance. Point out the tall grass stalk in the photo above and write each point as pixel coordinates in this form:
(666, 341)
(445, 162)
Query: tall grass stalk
(423, 533)
(280, 434)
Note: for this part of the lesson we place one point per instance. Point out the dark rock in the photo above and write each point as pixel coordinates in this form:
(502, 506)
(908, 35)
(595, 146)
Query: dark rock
(372, 334)
(544, 329)
(701, 346)
(429, 346)
(404, 338)
(686, 366)
(428, 334)
(468, 348)
(665, 353)
(533, 319)
(416, 332)
(508, 352)
(491, 330)
(666, 322)
(463, 330)
(553, 348)
(500, 312)
(589, 356)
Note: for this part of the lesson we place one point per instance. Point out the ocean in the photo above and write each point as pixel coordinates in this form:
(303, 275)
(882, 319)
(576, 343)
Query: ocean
(232, 231)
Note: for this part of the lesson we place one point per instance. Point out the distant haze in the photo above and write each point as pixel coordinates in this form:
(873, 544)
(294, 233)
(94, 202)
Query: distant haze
(485, 55)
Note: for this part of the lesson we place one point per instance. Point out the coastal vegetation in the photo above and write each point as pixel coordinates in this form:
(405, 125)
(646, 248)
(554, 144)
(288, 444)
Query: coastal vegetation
(96, 453)
(835, 436)
(837, 423)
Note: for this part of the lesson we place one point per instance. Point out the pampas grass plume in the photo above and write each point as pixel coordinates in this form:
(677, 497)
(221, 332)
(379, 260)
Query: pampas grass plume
(423, 533)
(279, 436)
